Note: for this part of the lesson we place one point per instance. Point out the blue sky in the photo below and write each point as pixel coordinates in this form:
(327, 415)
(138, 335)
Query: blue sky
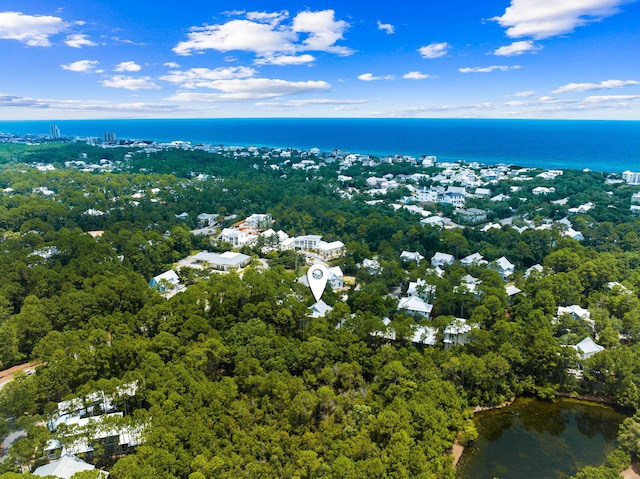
(464, 59)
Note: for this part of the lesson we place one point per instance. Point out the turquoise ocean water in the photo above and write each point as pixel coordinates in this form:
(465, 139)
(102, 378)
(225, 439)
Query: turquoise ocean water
(612, 146)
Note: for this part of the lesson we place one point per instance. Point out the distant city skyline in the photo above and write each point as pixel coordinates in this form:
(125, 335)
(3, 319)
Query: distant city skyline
(557, 59)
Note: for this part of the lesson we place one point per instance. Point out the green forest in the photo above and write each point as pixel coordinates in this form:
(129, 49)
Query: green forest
(234, 378)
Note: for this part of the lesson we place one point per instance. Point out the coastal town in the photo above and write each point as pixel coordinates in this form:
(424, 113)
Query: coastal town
(451, 279)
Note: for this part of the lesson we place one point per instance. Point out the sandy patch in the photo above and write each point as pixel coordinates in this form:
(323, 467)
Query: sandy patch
(631, 472)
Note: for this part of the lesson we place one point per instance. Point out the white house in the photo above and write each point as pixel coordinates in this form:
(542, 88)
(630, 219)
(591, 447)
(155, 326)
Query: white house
(456, 333)
(438, 260)
(330, 250)
(421, 289)
(319, 309)
(166, 281)
(65, 467)
(371, 265)
(473, 259)
(503, 266)
(411, 256)
(226, 261)
(235, 237)
(576, 312)
(587, 348)
(415, 306)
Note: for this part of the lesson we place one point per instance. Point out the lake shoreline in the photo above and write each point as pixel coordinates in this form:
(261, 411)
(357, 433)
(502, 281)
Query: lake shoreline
(457, 449)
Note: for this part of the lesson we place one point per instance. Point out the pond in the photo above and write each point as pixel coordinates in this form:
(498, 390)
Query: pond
(540, 440)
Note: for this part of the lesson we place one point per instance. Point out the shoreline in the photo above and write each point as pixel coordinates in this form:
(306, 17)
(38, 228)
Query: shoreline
(458, 449)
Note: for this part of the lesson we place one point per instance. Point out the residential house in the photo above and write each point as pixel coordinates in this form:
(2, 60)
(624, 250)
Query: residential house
(227, 261)
(421, 289)
(330, 250)
(587, 348)
(471, 215)
(415, 306)
(535, 270)
(542, 190)
(65, 467)
(576, 312)
(372, 265)
(457, 333)
(411, 256)
(207, 219)
(503, 266)
(319, 309)
(438, 260)
(236, 237)
(259, 221)
(474, 259)
(456, 196)
(166, 281)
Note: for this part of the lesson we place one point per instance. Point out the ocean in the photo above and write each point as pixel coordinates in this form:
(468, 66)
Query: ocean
(611, 146)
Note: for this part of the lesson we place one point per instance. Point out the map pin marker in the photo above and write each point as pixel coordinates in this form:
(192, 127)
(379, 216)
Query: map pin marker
(317, 277)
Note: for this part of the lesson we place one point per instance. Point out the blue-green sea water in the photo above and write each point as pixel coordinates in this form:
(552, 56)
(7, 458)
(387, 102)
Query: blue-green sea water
(612, 146)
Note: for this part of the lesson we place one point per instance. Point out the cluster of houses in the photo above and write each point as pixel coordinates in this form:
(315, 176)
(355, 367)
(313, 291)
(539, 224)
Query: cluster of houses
(82, 423)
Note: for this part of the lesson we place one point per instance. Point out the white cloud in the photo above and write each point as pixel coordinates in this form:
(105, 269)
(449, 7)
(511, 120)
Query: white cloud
(415, 76)
(517, 48)
(323, 31)
(251, 89)
(273, 18)
(127, 67)
(78, 40)
(547, 18)
(525, 94)
(434, 50)
(312, 102)
(307, 31)
(33, 30)
(130, 83)
(81, 66)
(284, 60)
(171, 65)
(386, 27)
(604, 85)
(371, 77)
(492, 68)
(201, 77)
(610, 98)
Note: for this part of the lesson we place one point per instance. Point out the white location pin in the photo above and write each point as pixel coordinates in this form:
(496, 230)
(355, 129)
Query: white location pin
(317, 277)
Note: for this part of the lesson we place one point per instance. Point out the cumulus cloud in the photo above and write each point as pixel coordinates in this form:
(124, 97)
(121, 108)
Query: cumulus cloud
(547, 18)
(434, 50)
(415, 76)
(517, 48)
(127, 67)
(33, 30)
(492, 68)
(284, 60)
(171, 65)
(130, 83)
(79, 40)
(251, 89)
(525, 94)
(386, 27)
(604, 85)
(372, 77)
(266, 35)
(83, 66)
(201, 77)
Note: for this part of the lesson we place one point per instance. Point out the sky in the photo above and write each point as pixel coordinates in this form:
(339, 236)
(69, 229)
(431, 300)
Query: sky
(556, 59)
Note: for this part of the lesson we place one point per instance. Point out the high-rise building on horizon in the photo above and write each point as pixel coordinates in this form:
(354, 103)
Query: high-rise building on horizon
(54, 132)
(109, 137)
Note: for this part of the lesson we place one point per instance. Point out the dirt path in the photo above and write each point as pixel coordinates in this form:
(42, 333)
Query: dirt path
(631, 472)
(7, 374)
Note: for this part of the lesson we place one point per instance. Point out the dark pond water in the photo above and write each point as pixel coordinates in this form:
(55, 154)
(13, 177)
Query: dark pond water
(540, 440)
